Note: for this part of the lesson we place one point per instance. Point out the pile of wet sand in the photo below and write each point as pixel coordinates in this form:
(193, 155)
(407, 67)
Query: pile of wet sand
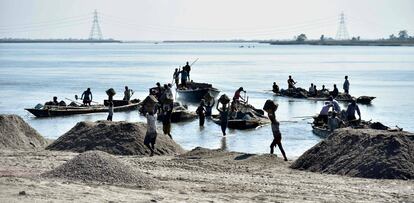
(15, 133)
(100, 167)
(120, 138)
(364, 153)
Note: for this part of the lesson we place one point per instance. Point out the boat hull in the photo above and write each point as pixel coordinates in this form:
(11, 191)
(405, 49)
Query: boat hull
(196, 95)
(80, 110)
(321, 132)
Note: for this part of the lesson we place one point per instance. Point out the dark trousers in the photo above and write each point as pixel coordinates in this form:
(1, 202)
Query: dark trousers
(277, 141)
(109, 118)
(201, 118)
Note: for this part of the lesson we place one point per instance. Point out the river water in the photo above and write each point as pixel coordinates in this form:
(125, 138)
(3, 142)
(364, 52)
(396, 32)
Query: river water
(34, 73)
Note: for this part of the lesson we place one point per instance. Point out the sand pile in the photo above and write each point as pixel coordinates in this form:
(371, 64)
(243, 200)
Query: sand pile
(15, 133)
(99, 167)
(120, 138)
(364, 153)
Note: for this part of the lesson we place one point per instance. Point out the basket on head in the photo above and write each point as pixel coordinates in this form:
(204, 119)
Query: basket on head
(208, 97)
(110, 92)
(149, 103)
(270, 105)
(224, 99)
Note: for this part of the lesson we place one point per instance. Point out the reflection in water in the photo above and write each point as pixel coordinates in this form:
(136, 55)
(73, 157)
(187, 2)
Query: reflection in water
(223, 145)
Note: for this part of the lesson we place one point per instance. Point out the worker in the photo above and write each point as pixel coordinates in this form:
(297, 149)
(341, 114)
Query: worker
(160, 90)
(323, 114)
(237, 97)
(110, 110)
(55, 101)
(334, 122)
(166, 119)
(151, 134)
(312, 90)
(176, 77)
(350, 112)
(201, 112)
(187, 68)
(335, 92)
(224, 113)
(346, 85)
(87, 97)
(275, 88)
(335, 104)
(209, 107)
(128, 93)
(184, 77)
(291, 82)
(277, 136)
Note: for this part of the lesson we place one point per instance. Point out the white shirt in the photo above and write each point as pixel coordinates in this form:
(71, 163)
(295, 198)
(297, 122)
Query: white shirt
(151, 127)
(336, 106)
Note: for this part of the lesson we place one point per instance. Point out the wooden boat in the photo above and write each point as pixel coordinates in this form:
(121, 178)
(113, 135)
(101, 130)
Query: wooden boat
(240, 124)
(51, 111)
(254, 119)
(320, 131)
(300, 93)
(196, 91)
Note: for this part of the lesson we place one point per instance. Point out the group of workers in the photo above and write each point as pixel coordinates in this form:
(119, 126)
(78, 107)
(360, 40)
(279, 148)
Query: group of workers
(313, 91)
(185, 75)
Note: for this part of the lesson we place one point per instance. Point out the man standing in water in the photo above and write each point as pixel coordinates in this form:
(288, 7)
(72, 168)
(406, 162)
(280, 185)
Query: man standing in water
(277, 136)
(87, 97)
(346, 85)
(201, 112)
(224, 116)
(151, 134)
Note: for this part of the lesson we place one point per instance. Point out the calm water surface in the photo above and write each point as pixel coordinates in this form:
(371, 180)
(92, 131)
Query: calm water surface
(34, 73)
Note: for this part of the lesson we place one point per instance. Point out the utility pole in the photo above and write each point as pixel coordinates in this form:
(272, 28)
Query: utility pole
(95, 33)
(342, 33)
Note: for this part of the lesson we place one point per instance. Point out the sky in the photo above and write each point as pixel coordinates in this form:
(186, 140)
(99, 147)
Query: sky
(204, 19)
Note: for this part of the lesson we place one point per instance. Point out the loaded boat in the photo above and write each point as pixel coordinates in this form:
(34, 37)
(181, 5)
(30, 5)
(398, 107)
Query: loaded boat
(194, 92)
(55, 110)
(301, 93)
(247, 117)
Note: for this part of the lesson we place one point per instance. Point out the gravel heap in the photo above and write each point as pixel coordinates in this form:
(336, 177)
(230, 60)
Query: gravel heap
(15, 133)
(364, 153)
(120, 138)
(100, 167)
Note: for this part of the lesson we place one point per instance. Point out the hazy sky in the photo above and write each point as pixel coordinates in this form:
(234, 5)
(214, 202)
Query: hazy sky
(203, 19)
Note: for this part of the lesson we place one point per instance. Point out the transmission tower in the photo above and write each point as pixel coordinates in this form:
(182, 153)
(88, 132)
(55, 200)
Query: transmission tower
(342, 33)
(95, 33)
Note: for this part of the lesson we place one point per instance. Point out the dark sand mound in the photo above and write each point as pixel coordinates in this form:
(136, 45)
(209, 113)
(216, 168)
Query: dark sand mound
(99, 167)
(15, 133)
(364, 153)
(121, 138)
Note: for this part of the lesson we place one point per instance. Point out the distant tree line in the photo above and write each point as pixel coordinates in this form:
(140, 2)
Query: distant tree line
(402, 35)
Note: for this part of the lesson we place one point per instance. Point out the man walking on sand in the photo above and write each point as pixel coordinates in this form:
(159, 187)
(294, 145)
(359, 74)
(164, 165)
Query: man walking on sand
(151, 134)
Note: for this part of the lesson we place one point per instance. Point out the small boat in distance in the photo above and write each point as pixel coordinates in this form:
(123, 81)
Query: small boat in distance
(194, 92)
(54, 110)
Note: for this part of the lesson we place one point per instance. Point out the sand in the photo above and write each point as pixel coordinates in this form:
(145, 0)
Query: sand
(201, 175)
(364, 153)
(120, 138)
(15, 133)
(100, 167)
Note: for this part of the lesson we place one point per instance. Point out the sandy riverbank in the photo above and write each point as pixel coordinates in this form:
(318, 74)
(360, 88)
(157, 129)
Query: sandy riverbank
(199, 176)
